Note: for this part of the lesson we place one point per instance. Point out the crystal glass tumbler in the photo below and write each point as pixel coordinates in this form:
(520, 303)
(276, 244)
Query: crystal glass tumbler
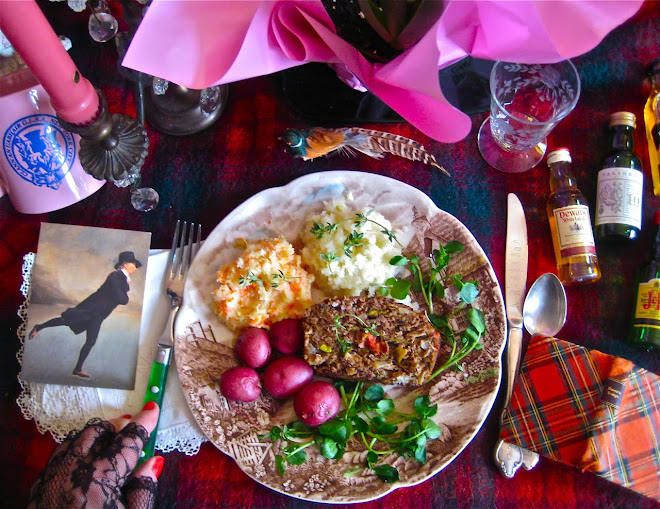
(526, 103)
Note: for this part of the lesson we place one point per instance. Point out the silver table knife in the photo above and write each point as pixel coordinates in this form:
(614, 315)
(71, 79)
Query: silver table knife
(510, 457)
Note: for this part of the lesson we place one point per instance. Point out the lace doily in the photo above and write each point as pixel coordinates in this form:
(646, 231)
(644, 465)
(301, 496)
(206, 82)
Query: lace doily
(59, 409)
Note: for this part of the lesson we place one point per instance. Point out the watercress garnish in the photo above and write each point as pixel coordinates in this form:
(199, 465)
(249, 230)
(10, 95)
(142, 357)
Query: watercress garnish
(369, 416)
(433, 284)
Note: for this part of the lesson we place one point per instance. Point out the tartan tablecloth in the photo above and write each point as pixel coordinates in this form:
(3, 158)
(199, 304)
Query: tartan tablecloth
(594, 411)
(203, 177)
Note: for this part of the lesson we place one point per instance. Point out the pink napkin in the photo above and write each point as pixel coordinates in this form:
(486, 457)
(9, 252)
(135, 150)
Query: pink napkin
(202, 43)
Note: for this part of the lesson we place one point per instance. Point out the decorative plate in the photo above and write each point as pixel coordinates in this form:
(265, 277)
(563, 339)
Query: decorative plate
(204, 345)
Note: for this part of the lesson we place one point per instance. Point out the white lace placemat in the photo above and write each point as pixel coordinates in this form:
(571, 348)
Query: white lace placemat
(60, 409)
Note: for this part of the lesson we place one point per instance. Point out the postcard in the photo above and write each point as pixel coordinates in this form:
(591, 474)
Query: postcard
(86, 293)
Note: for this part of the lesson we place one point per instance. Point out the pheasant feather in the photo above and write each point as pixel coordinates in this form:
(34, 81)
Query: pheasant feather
(318, 141)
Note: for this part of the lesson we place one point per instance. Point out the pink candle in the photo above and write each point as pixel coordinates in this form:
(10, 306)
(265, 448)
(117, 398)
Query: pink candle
(72, 96)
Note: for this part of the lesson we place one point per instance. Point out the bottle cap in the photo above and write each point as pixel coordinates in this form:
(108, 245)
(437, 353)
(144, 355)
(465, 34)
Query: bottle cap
(656, 217)
(623, 118)
(559, 155)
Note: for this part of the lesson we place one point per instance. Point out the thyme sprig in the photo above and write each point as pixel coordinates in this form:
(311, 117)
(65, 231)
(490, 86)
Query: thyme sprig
(274, 281)
(369, 416)
(353, 240)
(368, 329)
(344, 345)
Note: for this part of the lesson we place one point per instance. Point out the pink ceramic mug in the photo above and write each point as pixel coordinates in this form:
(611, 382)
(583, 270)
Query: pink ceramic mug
(39, 166)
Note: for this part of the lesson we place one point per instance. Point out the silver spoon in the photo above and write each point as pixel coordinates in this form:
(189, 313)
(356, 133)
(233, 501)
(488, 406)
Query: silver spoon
(544, 314)
(544, 310)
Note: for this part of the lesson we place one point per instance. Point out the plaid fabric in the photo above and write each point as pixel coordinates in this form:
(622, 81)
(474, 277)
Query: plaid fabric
(590, 410)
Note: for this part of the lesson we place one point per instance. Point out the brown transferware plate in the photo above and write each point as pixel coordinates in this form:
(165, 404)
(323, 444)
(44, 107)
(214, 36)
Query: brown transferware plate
(204, 345)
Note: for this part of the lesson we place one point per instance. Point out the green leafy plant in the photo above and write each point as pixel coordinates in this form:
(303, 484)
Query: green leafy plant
(369, 416)
(432, 284)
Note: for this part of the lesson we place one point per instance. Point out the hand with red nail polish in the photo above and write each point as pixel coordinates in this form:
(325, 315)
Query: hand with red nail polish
(96, 466)
(149, 405)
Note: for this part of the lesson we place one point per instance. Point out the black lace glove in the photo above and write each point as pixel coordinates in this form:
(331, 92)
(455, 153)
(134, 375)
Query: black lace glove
(92, 468)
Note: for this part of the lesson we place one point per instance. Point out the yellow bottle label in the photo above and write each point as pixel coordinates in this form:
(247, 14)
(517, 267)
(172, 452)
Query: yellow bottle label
(647, 308)
(651, 119)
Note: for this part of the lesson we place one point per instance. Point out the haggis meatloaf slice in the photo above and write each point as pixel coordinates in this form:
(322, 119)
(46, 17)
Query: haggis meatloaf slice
(370, 339)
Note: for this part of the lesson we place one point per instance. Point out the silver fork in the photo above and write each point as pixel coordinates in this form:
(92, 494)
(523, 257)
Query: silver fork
(184, 249)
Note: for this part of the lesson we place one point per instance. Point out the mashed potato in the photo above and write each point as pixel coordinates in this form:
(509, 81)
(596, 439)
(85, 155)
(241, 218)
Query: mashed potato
(368, 263)
(264, 285)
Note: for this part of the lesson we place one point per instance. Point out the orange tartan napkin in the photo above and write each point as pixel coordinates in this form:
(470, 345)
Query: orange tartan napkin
(590, 410)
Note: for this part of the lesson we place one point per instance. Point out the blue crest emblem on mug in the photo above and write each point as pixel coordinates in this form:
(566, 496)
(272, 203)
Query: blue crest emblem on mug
(40, 150)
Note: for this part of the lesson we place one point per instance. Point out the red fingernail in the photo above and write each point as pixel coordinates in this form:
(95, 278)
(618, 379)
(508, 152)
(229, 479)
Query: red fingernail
(150, 405)
(157, 467)
(127, 416)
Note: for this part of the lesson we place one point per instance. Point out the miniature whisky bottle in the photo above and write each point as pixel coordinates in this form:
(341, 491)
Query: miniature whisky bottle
(570, 224)
(652, 124)
(620, 185)
(645, 330)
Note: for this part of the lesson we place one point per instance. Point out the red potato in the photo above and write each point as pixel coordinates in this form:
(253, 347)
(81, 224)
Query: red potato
(240, 384)
(252, 346)
(317, 403)
(287, 336)
(286, 376)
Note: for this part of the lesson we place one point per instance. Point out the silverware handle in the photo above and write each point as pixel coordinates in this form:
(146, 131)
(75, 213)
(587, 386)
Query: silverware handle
(510, 457)
(514, 348)
(158, 378)
(156, 392)
(168, 326)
